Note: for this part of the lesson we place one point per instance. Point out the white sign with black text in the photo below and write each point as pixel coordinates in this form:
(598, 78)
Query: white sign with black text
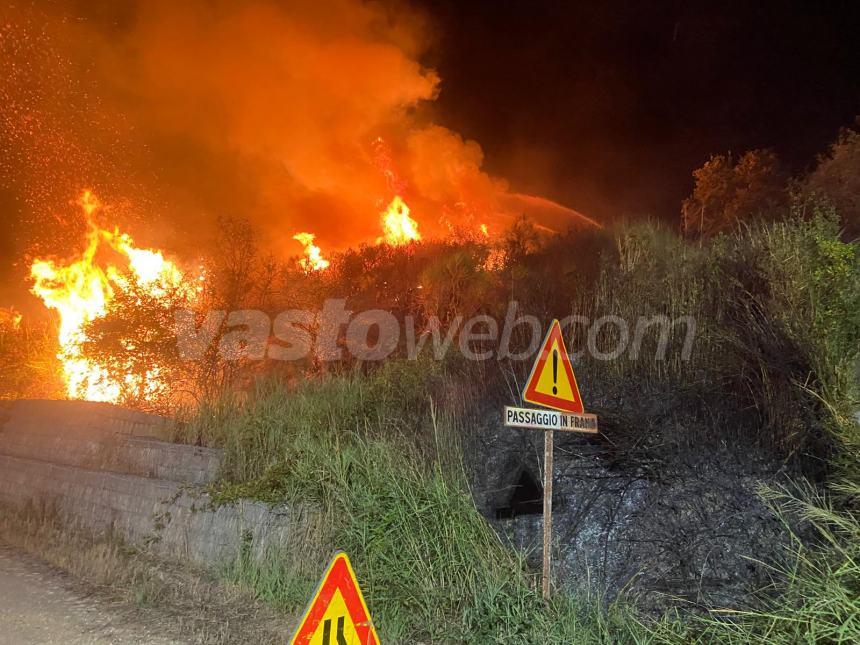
(549, 420)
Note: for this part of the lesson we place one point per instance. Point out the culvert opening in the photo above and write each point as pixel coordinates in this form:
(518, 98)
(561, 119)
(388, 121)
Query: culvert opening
(526, 498)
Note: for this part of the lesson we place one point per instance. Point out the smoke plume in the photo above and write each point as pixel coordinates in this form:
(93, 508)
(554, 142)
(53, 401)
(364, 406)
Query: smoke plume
(299, 116)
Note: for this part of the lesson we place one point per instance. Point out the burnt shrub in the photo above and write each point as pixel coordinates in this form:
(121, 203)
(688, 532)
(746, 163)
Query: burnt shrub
(776, 311)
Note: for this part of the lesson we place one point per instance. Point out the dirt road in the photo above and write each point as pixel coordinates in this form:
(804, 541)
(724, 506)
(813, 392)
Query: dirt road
(40, 605)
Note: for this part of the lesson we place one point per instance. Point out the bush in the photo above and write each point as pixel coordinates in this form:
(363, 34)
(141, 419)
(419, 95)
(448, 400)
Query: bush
(836, 179)
(728, 193)
(791, 327)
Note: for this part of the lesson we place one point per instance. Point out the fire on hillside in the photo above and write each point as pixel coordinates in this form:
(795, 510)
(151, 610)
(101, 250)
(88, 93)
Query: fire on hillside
(320, 147)
(80, 289)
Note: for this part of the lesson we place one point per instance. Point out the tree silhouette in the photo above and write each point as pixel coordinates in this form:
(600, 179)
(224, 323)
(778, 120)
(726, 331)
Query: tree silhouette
(726, 193)
(837, 179)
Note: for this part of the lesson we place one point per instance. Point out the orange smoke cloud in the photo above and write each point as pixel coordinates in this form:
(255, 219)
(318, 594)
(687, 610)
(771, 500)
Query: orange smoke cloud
(268, 112)
(297, 96)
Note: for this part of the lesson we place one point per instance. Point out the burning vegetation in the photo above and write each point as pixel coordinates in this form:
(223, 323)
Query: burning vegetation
(99, 286)
(398, 227)
(300, 166)
(325, 128)
(80, 291)
(313, 260)
(335, 155)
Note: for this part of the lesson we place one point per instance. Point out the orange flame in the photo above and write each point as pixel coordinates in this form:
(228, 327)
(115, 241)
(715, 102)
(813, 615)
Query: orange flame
(313, 260)
(80, 292)
(398, 228)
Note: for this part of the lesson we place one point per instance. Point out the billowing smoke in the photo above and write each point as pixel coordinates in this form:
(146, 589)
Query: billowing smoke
(304, 115)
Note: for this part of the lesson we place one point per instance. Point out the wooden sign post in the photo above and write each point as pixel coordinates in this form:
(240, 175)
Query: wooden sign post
(557, 389)
(548, 436)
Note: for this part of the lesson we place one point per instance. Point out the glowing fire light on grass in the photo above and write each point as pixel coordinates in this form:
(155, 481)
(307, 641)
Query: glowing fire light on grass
(313, 260)
(81, 290)
(397, 226)
(10, 319)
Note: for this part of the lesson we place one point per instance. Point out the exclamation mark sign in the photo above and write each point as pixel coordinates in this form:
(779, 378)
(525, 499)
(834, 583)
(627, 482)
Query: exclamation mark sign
(554, 371)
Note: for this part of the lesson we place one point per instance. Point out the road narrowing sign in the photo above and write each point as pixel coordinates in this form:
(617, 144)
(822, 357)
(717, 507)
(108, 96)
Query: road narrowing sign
(337, 614)
(551, 382)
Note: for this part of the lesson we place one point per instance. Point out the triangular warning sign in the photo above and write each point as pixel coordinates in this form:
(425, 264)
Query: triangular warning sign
(337, 614)
(551, 382)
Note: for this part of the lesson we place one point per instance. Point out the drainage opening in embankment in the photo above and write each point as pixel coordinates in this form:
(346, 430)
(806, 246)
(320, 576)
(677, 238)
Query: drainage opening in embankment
(526, 498)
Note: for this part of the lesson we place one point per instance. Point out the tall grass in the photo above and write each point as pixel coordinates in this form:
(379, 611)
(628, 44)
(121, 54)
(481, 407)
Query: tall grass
(256, 434)
(781, 305)
(651, 272)
(777, 317)
(431, 567)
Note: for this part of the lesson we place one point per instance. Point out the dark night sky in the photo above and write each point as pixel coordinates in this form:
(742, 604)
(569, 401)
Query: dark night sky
(608, 106)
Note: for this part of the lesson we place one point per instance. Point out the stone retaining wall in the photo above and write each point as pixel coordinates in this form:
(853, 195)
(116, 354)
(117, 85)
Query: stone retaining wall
(104, 469)
(79, 418)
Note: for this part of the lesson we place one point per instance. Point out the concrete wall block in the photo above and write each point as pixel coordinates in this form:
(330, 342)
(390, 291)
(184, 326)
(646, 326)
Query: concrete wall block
(79, 417)
(141, 456)
(105, 471)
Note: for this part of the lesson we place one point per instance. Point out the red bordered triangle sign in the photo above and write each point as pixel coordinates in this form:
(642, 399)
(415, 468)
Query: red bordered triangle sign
(337, 614)
(551, 382)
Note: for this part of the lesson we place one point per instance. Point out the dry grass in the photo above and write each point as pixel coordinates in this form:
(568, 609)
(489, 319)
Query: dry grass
(190, 604)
